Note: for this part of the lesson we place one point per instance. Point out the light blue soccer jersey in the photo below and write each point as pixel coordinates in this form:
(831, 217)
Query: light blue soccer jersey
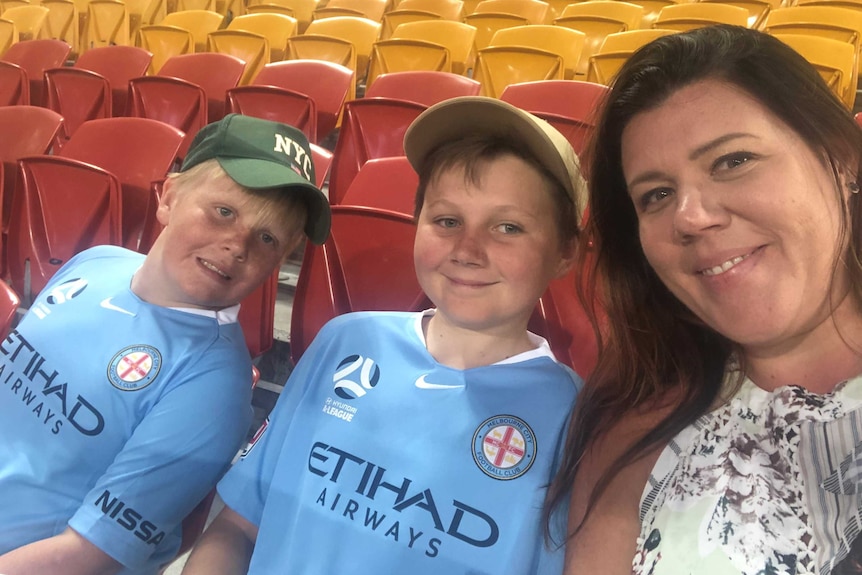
(117, 416)
(379, 460)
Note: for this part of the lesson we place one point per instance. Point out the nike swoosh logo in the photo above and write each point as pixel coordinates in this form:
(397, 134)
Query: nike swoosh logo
(106, 303)
(422, 384)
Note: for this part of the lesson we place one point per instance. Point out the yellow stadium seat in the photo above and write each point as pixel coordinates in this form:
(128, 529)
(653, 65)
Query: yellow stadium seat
(371, 9)
(488, 24)
(107, 24)
(199, 22)
(682, 17)
(165, 42)
(852, 4)
(446, 9)
(652, 8)
(565, 42)
(457, 37)
(8, 35)
(62, 22)
(616, 49)
(391, 20)
(6, 4)
(186, 5)
(758, 10)
(834, 59)
(534, 11)
(251, 48)
(276, 28)
(302, 10)
(499, 66)
(361, 32)
(402, 55)
(29, 20)
(596, 19)
(271, 9)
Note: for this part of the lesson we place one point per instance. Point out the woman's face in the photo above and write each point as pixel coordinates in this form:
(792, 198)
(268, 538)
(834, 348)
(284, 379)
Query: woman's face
(737, 215)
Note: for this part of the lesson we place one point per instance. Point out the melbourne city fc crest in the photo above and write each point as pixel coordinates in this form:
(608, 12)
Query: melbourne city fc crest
(504, 447)
(355, 376)
(134, 367)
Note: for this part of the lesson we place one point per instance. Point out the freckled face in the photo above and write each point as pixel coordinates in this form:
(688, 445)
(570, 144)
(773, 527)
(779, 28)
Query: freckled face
(484, 253)
(217, 246)
(737, 215)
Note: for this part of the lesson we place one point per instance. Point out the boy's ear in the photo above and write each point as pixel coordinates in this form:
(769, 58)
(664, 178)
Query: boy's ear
(166, 202)
(567, 258)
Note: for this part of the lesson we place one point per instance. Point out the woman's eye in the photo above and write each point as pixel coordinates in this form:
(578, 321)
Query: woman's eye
(510, 228)
(224, 212)
(653, 197)
(267, 239)
(731, 161)
(446, 222)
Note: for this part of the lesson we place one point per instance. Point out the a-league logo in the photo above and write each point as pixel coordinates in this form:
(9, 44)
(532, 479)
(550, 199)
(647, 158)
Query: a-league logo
(354, 376)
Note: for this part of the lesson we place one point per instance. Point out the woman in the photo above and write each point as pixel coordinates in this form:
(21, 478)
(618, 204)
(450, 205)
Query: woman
(720, 430)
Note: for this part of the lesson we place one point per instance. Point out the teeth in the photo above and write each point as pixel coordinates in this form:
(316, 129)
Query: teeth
(723, 267)
(215, 269)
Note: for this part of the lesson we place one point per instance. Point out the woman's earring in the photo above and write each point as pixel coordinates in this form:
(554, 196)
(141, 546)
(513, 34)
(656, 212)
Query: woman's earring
(853, 187)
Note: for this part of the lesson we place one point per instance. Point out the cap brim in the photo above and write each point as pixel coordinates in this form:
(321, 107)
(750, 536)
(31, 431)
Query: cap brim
(257, 174)
(466, 115)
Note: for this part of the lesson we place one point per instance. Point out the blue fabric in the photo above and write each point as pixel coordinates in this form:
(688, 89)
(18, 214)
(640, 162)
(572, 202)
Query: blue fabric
(374, 459)
(117, 416)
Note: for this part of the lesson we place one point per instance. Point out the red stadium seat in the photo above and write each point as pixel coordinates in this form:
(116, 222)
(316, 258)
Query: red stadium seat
(36, 56)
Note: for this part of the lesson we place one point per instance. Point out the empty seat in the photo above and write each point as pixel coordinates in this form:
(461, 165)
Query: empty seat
(34, 57)
(423, 87)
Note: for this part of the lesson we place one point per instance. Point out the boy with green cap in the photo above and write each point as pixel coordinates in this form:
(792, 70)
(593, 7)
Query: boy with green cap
(126, 388)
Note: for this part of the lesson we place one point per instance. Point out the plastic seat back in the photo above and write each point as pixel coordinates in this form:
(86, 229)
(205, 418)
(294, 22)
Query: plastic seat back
(186, 5)
(175, 102)
(61, 207)
(386, 184)
(391, 20)
(322, 159)
(682, 17)
(201, 23)
(446, 9)
(61, 22)
(28, 131)
(14, 85)
(345, 273)
(329, 90)
(652, 9)
(534, 11)
(276, 28)
(326, 49)
(118, 65)
(835, 60)
(36, 56)
(615, 50)
(253, 49)
(597, 19)
(758, 10)
(7, 4)
(371, 128)
(370, 9)
(837, 23)
(423, 87)
(165, 42)
(257, 316)
(487, 24)
(565, 42)
(499, 66)
(108, 24)
(138, 151)
(361, 32)
(8, 35)
(215, 73)
(77, 95)
(28, 20)
(276, 104)
(457, 37)
(9, 302)
(401, 55)
(302, 10)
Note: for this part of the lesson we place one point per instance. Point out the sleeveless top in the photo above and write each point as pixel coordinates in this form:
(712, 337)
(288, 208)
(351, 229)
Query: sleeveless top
(770, 483)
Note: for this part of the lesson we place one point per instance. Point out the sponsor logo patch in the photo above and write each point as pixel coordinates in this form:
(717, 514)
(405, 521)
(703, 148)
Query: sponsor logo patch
(354, 376)
(134, 367)
(504, 447)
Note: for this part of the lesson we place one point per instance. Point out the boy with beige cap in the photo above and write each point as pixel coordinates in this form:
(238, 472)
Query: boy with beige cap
(422, 442)
(126, 388)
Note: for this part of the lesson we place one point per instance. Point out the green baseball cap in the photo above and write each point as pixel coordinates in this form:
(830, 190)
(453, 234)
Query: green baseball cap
(260, 154)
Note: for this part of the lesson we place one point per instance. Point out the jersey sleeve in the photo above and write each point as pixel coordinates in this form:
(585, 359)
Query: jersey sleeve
(175, 455)
(245, 487)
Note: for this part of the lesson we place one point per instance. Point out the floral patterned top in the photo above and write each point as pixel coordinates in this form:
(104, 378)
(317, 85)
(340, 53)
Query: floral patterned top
(770, 483)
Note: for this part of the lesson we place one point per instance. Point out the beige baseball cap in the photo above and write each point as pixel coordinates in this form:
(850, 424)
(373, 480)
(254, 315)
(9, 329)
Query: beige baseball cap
(459, 117)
